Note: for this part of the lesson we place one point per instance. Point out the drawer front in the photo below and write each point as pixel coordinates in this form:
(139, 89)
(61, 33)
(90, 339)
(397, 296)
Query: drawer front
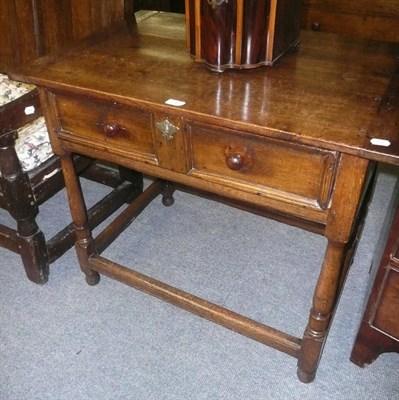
(289, 174)
(386, 317)
(369, 19)
(292, 173)
(106, 126)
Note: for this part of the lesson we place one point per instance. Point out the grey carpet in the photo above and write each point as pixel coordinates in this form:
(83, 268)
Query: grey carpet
(66, 340)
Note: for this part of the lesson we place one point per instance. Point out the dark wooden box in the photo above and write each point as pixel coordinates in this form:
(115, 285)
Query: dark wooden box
(241, 33)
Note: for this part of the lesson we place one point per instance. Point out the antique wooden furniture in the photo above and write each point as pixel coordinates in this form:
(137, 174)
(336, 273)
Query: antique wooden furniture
(30, 29)
(241, 34)
(379, 329)
(297, 141)
(30, 174)
(369, 19)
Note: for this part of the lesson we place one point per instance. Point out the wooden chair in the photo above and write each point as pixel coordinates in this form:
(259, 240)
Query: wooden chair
(30, 174)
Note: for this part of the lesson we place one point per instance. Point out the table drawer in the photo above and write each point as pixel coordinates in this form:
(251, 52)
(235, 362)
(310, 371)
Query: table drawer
(263, 166)
(107, 126)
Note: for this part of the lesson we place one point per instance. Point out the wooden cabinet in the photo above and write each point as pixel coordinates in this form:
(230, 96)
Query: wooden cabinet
(379, 329)
(369, 19)
(30, 29)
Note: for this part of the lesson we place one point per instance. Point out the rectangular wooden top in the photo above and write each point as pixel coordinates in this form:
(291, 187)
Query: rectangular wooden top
(333, 92)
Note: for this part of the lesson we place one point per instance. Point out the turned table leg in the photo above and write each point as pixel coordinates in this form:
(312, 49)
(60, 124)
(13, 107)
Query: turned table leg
(84, 244)
(167, 191)
(353, 177)
(324, 300)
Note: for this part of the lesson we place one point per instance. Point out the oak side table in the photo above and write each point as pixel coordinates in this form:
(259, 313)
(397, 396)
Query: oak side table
(298, 141)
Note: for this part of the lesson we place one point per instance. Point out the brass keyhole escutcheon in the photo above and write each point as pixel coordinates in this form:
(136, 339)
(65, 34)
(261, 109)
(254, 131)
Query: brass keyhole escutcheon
(167, 128)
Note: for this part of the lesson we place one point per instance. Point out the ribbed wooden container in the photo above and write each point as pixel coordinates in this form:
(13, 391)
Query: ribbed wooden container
(241, 33)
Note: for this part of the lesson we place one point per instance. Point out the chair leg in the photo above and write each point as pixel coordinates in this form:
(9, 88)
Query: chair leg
(21, 204)
(33, 250)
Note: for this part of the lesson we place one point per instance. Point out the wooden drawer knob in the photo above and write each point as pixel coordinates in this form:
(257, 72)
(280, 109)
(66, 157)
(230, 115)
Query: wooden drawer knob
(238, 157)
(316, 26)
(111, 129)
(235, 161)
